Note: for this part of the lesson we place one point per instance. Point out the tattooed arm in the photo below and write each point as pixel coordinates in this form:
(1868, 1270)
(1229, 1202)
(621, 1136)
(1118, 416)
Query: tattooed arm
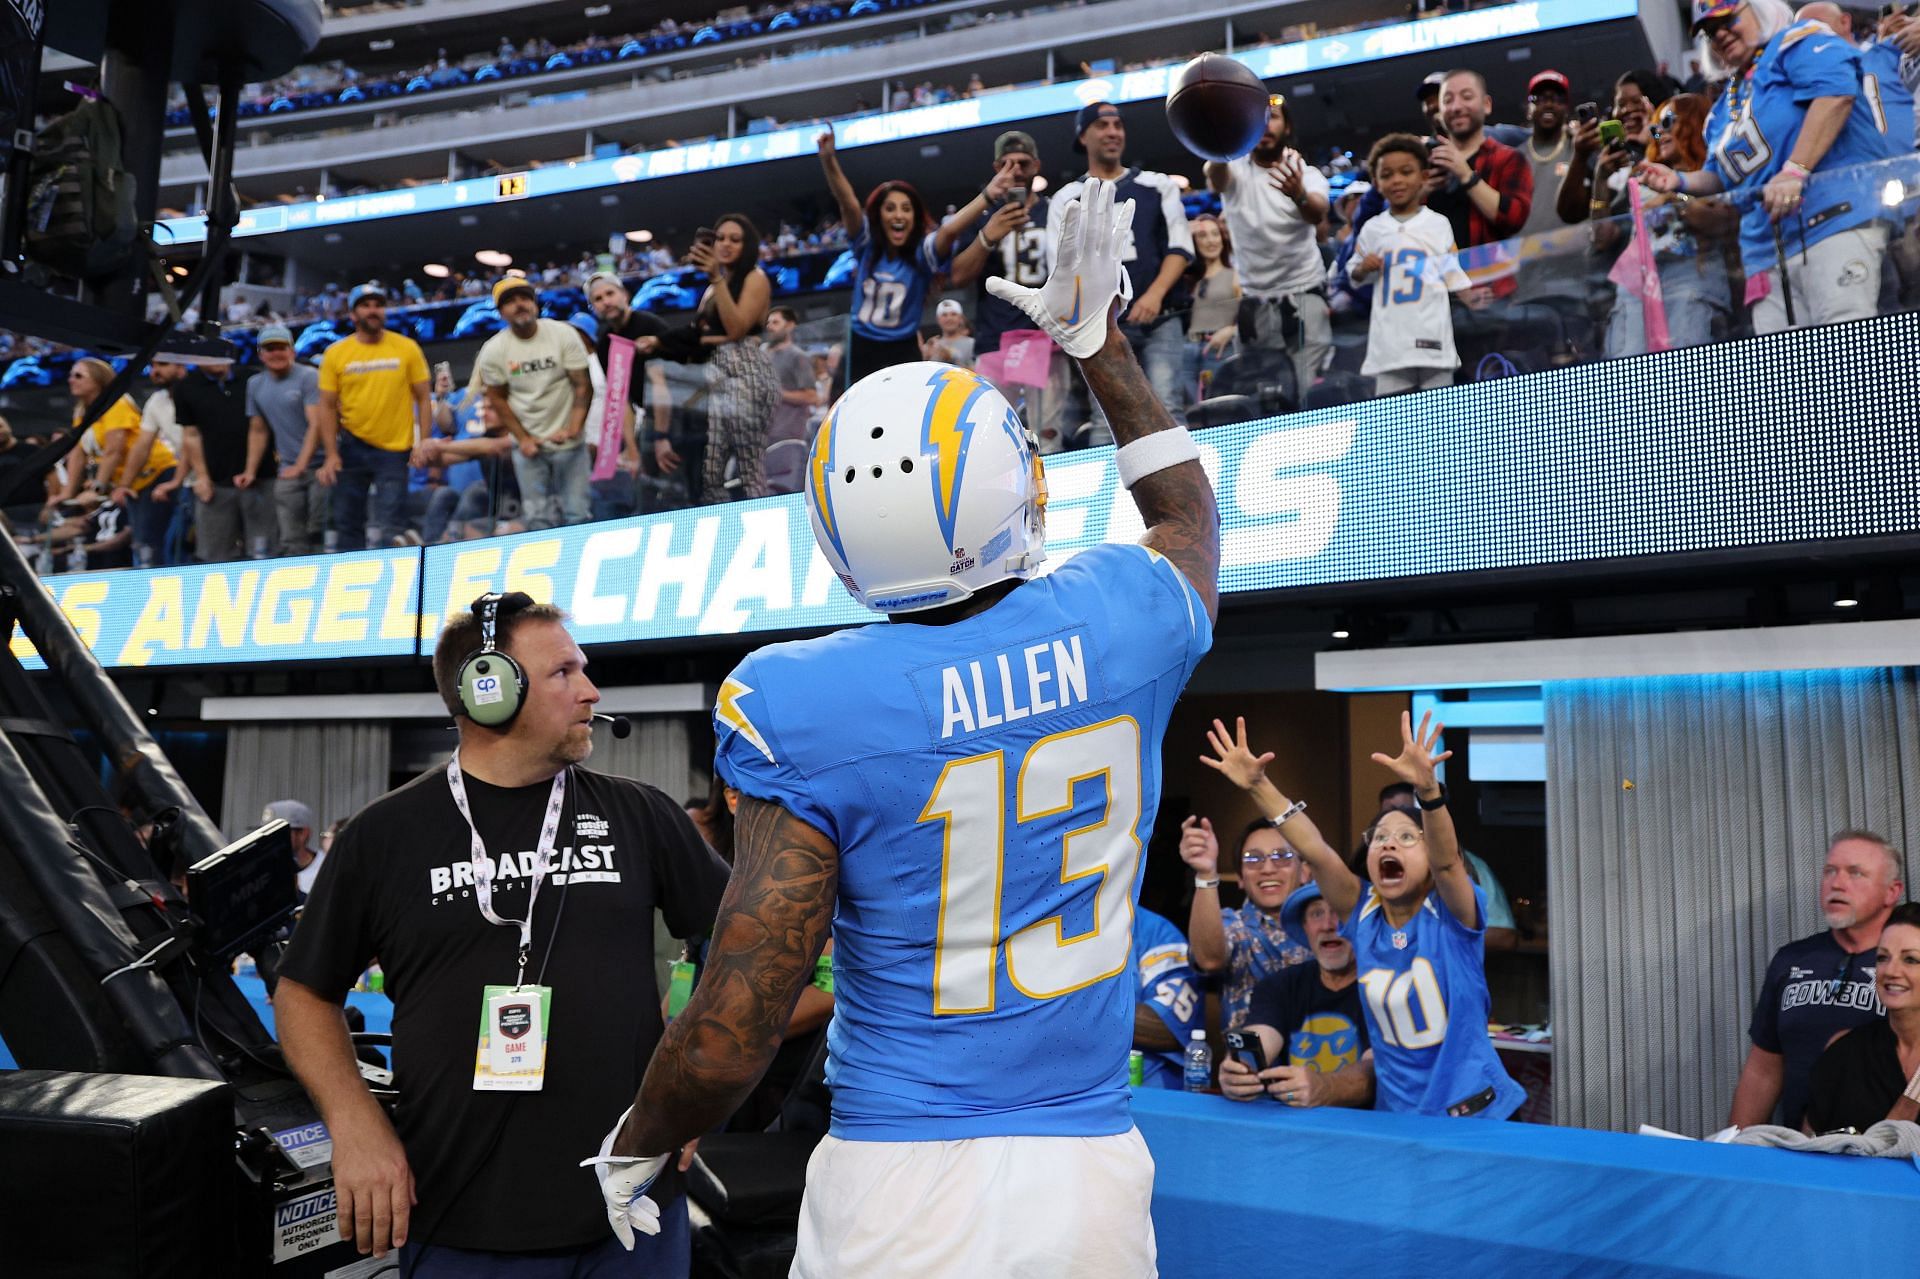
(1183, 520)
(772, 925)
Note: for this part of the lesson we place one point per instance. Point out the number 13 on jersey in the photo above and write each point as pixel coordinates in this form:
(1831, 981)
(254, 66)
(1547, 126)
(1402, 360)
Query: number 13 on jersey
(969, 800)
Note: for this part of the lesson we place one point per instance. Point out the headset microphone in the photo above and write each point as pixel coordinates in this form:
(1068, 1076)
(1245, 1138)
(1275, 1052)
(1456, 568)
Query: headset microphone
(620, 724)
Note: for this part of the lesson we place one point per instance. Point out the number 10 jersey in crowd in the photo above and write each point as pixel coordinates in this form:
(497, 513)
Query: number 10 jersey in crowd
(990, 785)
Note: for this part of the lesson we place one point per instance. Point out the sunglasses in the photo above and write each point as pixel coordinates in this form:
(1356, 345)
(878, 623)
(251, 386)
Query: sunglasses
(1280, 858)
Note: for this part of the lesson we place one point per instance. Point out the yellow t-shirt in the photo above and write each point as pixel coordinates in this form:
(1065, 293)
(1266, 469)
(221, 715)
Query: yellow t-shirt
(124, 417)
(374, 381)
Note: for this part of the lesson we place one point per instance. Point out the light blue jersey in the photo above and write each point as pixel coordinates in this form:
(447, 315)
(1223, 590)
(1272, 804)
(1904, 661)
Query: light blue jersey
(1426, 1000)
(1881, 83)
(889, 293)
(1165, 974)
(1754, 125)
(990, 785)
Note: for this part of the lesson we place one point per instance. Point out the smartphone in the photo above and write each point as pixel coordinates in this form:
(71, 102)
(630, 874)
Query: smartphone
(442, 370)
(1245, 1045)
(1018, 195)
(1612, 133)
(1587, 112)
(705, 235)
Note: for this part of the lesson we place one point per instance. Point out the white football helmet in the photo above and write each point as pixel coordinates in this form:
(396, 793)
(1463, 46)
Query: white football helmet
(924, 486)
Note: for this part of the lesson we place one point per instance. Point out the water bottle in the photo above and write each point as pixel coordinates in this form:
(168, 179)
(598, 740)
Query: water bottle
(77, 558)
(1199, 1063)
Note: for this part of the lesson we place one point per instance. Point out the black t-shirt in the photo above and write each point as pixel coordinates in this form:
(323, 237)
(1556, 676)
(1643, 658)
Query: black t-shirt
(496, 1170)
(217, 408)
(108, 521)
(1813, 991)
(1325, 1029)
(1022, 258)
(639, 324)
(1857, 1080)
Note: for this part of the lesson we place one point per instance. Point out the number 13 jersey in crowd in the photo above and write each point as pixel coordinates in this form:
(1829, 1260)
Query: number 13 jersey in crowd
(990, 785)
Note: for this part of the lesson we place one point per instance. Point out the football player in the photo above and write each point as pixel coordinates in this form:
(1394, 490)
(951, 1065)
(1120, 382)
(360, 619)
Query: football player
(963, 796)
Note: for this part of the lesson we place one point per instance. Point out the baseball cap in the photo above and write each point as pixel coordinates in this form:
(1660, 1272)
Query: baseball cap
(290, 811)
(513, 284)
(609, 277)
(1354, 188)
(1708, 10)
(1013, 140)
(275, 333)
(1293, 911)
(1550, 77)
(948, 307)
(1431, 84)
(371, 289)
(1087, 115)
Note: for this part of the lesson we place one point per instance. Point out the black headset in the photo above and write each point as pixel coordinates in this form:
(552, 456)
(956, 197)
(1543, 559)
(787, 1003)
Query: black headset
(491, 685)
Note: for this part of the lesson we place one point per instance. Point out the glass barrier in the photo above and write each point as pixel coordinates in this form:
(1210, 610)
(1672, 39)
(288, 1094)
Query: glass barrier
(1673, 273)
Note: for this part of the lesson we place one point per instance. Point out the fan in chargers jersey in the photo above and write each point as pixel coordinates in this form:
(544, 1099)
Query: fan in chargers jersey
(1793, 142)
(1171, 1006)
(962, 795)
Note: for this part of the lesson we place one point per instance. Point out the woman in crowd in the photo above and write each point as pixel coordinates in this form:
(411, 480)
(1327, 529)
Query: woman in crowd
(741, 388)
(1212, 335)
(1792, 142)
(1873, 1071)
(112, 439)
(1417, 931)
(1248, 944)
(898, 251)
(1688, 238)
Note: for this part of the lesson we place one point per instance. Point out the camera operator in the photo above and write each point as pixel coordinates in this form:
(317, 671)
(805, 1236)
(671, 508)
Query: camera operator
(461, 882)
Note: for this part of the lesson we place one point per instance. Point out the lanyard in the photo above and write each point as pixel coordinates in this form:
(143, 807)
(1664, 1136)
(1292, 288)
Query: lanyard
(483, 865)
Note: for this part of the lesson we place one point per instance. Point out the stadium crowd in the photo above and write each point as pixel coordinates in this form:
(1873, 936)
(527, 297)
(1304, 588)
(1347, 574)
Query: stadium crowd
(1460, 247)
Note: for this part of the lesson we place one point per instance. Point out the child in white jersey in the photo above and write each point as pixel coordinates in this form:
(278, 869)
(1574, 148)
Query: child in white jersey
(1410, 250)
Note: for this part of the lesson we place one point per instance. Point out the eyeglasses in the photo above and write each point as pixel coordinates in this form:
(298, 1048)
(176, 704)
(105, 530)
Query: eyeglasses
(1280, 858)
(1663, 127)
(1406, 838)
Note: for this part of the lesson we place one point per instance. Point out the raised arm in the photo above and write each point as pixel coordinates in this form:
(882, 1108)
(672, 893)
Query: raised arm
(1206, 930)
(1233, 759)
(772, 925)
(1416, 764)
(1075, 307)
(838, 186)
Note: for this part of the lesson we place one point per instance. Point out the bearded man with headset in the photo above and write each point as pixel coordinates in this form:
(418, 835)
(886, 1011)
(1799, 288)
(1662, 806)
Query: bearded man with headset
(460, 884)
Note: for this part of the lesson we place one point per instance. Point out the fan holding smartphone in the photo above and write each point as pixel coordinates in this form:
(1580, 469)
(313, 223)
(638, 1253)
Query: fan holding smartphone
(1305, 1038)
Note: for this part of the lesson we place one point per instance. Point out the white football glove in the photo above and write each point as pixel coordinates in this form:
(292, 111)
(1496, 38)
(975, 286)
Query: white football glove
(623, 1184)
(1072, 305)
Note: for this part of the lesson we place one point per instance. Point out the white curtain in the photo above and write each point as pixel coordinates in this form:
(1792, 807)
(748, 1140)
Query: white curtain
(656, 752)
(1687, 820)
(335, 769)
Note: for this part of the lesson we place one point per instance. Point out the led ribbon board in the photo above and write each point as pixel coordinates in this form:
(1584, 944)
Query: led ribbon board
(1716, 448)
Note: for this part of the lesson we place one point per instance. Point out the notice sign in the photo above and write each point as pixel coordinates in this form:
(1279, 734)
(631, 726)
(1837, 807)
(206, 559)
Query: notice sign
(305, 1224)
(308, 1146)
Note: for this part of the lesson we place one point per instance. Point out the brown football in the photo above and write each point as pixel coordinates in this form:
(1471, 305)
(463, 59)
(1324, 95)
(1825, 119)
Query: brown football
(1217, 107)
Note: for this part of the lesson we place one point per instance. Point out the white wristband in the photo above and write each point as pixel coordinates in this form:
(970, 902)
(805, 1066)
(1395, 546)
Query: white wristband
(1155, 452)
